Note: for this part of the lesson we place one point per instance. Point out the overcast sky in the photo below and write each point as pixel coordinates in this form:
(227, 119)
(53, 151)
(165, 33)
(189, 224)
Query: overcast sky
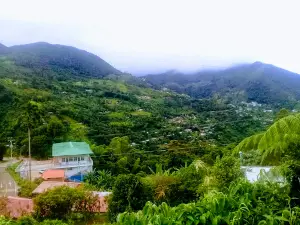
(152, 35)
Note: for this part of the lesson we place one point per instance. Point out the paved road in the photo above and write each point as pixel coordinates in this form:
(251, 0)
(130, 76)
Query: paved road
(8, 186)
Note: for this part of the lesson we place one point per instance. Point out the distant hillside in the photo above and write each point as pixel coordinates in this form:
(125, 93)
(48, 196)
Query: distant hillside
(58, 59)
(3, 49)
(259, 82)
(78, 101)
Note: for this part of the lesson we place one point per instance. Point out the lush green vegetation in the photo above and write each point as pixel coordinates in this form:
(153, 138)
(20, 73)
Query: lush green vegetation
(167, 157)
(62, 202)
(263, 83)
(242, 203)
(82, 107)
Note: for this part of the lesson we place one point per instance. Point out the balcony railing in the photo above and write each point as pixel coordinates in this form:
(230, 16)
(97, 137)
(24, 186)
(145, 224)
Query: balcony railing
(80, 163)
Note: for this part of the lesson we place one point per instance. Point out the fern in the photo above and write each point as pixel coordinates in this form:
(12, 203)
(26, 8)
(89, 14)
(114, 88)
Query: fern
(248, 144)
(275, 142)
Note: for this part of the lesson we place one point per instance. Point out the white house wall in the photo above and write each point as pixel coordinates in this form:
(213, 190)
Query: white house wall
(71, 168)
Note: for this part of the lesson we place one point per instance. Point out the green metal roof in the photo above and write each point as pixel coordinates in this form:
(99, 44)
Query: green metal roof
(71, 148)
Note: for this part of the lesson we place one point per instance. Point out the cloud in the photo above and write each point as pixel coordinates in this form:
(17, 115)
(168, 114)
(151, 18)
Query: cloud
(138, 36)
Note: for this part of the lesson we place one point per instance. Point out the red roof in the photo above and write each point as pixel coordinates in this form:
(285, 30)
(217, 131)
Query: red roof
(52, 174)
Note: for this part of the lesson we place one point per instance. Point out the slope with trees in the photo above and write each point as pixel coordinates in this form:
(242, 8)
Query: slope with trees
(263, 83)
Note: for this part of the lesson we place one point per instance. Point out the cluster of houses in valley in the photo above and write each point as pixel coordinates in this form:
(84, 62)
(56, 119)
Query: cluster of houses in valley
(70, 162)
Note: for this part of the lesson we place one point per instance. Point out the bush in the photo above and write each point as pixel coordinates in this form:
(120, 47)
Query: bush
(4, 221)
(28, 220)
(129, 194)
(60, 202)
(191, 177)
(3, 208)
(227, 170)
(243, 203)
(101, 179)
(53, 222)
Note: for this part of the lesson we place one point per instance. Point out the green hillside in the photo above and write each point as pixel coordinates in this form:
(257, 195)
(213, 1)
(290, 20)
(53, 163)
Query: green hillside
(75, 105)
(258, 82)
(58, 60)
(178, 148)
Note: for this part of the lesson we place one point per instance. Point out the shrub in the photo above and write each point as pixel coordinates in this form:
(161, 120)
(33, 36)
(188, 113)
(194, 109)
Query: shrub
(3, 206)
(53, 222)
(60, 202)
(102, 180)
(129, 194)
(5, 221)
(227, 170)
(243, 203)
(27, 220)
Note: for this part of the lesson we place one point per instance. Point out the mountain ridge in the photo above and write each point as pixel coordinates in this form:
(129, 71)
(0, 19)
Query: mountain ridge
(256, 80)
(61, 58)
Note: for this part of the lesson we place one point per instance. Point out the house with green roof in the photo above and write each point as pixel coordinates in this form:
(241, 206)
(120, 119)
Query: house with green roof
(73, 157)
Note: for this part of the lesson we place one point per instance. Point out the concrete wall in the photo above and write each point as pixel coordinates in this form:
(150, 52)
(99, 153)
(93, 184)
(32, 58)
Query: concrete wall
(18, 207)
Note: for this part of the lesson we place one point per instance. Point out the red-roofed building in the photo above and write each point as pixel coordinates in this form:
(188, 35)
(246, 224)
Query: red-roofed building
(54, 175)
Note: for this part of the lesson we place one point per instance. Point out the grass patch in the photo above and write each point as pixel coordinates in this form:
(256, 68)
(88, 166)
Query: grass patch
(141, 113)
(26, 186)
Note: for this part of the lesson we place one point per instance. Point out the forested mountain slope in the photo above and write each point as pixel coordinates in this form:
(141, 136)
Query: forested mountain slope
(258, 82)
(58, 60)
(76, 104)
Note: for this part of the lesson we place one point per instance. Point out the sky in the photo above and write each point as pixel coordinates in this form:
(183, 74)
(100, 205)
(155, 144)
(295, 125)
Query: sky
(149, 36)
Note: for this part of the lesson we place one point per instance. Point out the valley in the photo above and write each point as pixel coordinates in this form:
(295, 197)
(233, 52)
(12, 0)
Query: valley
(172, 139)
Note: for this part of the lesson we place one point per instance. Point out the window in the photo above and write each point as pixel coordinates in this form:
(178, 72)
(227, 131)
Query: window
(82, 158)
(75, 159)
(63, 159)
(71, 159)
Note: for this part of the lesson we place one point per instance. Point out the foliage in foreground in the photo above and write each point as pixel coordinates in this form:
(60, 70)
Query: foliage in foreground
(187, 184)
(243, 203)
(30, 221)
(280, 141)
(60, 202)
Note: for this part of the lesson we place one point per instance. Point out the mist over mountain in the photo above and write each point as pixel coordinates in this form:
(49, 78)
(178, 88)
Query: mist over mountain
(64, 60)
(264, 83)
(257, 81)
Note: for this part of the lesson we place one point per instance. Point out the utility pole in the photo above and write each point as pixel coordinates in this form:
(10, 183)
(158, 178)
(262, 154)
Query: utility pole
(29, 153)
(11, 148)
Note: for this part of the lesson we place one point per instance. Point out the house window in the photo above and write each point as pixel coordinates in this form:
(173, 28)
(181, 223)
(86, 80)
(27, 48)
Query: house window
(82, 158)
(71, 159)
(75, 159)
(63, 159)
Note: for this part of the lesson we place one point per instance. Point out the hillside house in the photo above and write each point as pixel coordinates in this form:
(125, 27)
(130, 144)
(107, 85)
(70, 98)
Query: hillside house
(73, 157)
